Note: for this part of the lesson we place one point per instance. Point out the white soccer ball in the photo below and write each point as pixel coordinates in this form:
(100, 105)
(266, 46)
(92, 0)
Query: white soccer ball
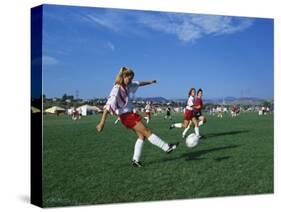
(192, 140)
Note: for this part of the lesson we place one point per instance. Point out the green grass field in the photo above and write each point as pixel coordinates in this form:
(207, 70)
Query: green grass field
(82, 167)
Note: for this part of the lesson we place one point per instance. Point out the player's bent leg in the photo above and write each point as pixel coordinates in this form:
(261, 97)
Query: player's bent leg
(188, 124)
(140, 136)
(141, 129)
(154, 139)
(196, 128)
(201, 120)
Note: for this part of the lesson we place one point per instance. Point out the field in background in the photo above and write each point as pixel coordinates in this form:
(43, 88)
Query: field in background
(82, 167)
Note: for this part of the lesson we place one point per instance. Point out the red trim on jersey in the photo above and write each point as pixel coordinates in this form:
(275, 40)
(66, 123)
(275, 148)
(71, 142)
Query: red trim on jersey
(121, 97)
(111, 109)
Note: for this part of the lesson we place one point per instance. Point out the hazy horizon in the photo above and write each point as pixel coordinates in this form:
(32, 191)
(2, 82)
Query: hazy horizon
(168, 98)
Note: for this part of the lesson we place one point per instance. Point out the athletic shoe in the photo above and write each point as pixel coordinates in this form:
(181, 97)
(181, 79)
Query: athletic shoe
(172, 126)
(172, 147)
(203, 137)
(136, 164)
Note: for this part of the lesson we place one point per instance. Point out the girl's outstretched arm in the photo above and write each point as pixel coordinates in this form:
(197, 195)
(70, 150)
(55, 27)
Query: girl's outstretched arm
(143, 83)
(100, 126)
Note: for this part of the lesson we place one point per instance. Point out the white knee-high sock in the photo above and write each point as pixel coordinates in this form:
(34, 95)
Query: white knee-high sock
(196, 129)
(155, 140)
(138, 149)
(200, 123)
(185, 131)
(177, 125)
(147, 120)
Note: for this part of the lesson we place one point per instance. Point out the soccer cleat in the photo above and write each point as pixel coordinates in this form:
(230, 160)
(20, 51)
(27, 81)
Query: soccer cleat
(172, 147)
(136, 164)
(172, 126)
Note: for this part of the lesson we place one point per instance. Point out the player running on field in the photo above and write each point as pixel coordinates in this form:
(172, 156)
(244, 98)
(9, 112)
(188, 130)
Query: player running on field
(147, 112)
(120, 103)
(234, 110)
(197, 111)
(168, 114)
(188, 114)
(219, 111)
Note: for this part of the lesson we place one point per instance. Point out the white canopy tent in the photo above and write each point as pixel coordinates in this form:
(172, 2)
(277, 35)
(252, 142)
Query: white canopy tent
(55, 109)
(35, 110)
(88, 110)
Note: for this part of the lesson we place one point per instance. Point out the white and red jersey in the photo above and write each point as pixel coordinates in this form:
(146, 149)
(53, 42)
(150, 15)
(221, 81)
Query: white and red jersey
(119, 100)
(190, 103)
(147, 108)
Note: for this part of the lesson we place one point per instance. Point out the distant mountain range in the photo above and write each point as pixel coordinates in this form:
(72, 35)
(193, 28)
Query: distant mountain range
(226, 100)
(152, 99)
(234, 100)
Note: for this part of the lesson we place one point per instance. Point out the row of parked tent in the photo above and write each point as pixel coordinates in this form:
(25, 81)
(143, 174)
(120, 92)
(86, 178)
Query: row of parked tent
(84, 110)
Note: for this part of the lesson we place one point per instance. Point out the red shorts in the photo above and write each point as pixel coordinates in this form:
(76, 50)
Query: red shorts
(76, 113)
(147, 114)
(130, 119)
(188, 115)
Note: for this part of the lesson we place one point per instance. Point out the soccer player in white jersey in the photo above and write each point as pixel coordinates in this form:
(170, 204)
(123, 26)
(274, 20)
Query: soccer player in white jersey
(147, 112)
(188, 114)
(197, 112)
(120, 103)
(219, 111)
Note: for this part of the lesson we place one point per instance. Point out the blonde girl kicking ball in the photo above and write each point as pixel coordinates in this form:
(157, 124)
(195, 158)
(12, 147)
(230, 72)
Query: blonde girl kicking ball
(119, 103)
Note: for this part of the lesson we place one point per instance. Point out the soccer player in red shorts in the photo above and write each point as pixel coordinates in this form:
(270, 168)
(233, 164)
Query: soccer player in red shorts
(120, 103)
(188, 114)
(198, 105)
(147, 112)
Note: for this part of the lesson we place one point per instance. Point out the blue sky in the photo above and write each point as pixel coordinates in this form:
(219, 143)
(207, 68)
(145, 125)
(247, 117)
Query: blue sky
(84, 47)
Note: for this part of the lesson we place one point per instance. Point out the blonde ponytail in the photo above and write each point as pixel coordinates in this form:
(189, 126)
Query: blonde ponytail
(123, 72)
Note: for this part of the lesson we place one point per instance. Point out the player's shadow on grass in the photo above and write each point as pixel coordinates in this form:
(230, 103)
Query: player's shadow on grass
(219, 159)
(225, 133)
(196, 155)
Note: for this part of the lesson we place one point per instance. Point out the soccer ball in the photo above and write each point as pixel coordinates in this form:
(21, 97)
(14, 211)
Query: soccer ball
(192, 140)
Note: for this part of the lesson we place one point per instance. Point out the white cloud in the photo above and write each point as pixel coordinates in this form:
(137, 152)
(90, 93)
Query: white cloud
(103, 22)
(115, 20)
(111, 46)
(192, 27)
(185, 27)
(48, 60)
